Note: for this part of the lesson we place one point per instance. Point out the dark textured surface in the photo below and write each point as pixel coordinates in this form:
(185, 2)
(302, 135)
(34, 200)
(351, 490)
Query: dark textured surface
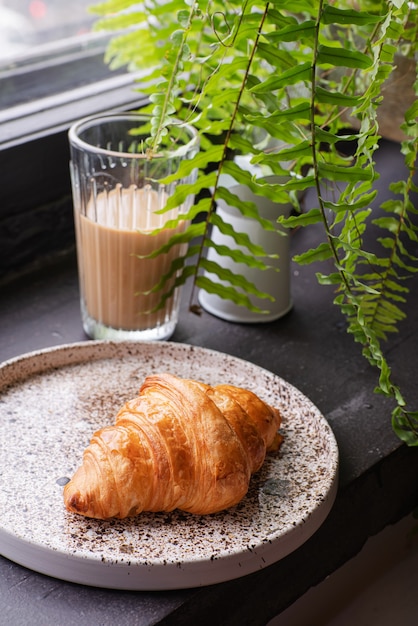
(310, 349)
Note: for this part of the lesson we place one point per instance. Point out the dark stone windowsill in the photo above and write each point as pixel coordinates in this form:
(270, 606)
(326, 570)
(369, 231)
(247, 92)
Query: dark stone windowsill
(309, 348)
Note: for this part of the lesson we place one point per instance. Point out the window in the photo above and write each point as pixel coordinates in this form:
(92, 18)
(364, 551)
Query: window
(26, 23)
(51, 73)
(52, 69)
(48, 35)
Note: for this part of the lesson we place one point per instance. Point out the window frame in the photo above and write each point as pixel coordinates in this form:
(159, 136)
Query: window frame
(50, 115)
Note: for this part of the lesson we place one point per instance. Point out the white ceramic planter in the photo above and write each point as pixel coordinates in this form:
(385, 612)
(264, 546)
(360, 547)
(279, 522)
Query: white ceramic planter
(275, 281)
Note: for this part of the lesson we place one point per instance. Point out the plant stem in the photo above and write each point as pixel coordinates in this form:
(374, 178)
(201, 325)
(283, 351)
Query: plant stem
(315, 152)
(233, 117)
(171, 83)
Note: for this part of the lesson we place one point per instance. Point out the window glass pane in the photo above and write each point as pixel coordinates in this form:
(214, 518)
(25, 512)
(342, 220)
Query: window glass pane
(27, 24)
(47, 48)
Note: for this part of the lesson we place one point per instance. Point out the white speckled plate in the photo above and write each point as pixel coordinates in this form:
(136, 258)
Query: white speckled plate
(52, 401)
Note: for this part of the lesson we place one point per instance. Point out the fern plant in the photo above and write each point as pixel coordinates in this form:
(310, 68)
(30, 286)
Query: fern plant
(273, 80)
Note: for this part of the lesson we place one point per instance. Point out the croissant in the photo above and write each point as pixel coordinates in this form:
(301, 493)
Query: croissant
(181, 444)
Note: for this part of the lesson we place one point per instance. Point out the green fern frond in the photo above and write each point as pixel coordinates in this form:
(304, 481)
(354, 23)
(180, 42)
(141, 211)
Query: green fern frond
(275, 80)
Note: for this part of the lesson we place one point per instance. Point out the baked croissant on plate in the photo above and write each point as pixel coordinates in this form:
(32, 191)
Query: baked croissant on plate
(180, 444)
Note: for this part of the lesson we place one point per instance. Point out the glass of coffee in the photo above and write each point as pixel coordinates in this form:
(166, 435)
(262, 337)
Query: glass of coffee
(119, 195)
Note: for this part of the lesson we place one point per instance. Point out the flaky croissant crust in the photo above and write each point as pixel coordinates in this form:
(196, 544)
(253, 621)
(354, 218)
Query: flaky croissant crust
(181, 444)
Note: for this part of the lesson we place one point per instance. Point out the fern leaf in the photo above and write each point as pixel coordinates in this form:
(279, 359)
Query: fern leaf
(241, 239)
(228, 293)
(322, 252)
(238, 256)
(234, 279)
(333, 15)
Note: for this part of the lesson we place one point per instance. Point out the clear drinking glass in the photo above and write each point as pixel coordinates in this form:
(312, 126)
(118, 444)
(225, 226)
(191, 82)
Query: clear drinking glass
(117, 194)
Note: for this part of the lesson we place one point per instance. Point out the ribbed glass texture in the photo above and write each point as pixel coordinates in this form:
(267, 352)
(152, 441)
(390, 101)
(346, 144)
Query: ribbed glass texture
(118, 194)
